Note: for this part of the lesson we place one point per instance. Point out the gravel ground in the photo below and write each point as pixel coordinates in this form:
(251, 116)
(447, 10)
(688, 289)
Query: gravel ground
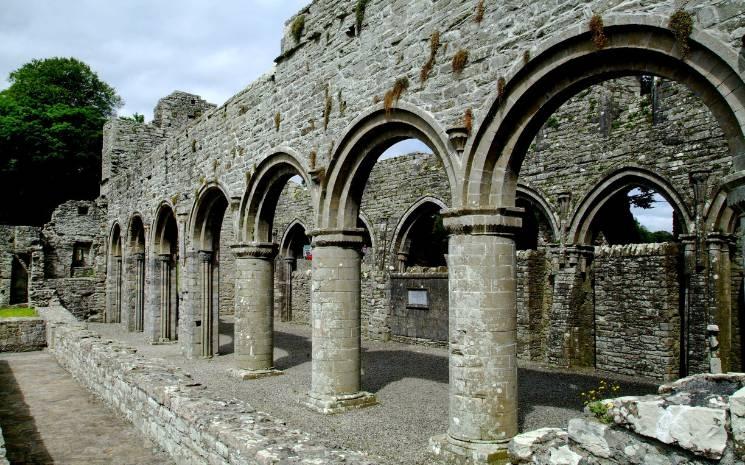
(411, 384)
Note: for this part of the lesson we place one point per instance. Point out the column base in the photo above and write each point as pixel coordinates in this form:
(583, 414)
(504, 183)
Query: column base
(163, 342)
(454, 451)
(253, 374)
(329, 405)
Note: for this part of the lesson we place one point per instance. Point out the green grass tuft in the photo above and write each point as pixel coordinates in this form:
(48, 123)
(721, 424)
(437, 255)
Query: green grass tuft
(17, 312)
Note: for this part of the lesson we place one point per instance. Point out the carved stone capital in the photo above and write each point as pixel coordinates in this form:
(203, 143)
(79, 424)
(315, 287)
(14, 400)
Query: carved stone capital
(258, 250)
(458, 136)
(352, 238)
(205, 255)
(493, 222)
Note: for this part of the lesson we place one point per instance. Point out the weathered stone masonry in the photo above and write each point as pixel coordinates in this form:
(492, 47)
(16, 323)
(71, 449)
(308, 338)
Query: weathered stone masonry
(231, 163)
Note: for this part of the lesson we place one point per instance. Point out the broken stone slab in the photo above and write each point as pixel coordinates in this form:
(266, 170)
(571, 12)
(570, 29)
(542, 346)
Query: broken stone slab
(252, 374)
(590, 435)
(700, 430)
(737, 421)
(524, 446)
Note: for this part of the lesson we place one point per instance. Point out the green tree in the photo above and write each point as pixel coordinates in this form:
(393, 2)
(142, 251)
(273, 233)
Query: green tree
(51, 121)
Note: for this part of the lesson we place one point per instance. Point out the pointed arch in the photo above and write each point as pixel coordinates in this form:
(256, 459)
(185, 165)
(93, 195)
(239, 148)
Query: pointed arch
(425, 205)
(582, 218)
(539, 202)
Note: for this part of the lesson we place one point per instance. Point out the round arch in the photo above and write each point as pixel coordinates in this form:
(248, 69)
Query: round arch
(570, 62)
(115, 240)
(262, 194)
(364, 141)
(538, 200)
(209, 207)
(165, 230)
(136, 234)
(579, 226)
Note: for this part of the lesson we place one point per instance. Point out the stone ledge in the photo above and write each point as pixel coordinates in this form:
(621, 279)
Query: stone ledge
(167, 405)
(331, 405)
(252, 374)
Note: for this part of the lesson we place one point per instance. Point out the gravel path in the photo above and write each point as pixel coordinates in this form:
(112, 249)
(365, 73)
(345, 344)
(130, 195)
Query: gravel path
(411, 383)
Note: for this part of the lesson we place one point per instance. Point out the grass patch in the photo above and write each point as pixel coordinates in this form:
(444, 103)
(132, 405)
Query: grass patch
(17, 312)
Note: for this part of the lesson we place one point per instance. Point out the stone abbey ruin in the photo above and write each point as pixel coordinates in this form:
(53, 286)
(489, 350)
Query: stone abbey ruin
(510, 240)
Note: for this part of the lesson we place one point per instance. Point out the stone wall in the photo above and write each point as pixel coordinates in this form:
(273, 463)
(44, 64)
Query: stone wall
(75, 259)
(415, 323)
(3, 452)
(637, 310)
(534, 293)
(166, 405)
(16, 247)
(301, 292)
(22, 334)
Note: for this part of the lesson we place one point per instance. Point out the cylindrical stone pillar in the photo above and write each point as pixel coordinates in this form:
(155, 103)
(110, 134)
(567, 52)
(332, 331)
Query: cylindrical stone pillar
(335, 309)
(483, 338)
(205, 272)
(165, 297)
(254, 309)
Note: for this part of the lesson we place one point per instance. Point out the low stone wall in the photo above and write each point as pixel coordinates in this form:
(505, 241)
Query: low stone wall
(3, 452)
(22, 334)
(696, 420)
(167, 405)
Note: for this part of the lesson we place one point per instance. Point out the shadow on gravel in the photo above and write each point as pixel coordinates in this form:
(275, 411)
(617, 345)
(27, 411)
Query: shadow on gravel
(297, 347)
(539, 389)
(226, 329)
(22, 439)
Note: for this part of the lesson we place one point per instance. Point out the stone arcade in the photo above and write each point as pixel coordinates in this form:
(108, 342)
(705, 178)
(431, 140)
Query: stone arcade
(198, 205)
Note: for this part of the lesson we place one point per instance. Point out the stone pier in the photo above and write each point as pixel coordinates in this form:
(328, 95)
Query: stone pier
(483, 339)
(335, 307)
(254, 310)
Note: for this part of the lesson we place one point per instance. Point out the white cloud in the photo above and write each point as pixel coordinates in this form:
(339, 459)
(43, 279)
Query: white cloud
(657, 218)
(146, 49)
(405, 147)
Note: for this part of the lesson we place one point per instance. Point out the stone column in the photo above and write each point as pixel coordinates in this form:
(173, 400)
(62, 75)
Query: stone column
(165, 297)
(117, 290)
(720, 289)
(139, 259)
(335, 315)
(285, 312)
(205, 273)
(483, 339)
(254, 310)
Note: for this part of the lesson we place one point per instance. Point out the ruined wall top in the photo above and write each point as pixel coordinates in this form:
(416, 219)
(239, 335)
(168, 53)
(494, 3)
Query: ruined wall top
(177, 109)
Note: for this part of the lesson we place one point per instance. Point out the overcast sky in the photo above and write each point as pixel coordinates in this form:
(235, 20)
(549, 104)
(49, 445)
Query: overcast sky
(146, 49)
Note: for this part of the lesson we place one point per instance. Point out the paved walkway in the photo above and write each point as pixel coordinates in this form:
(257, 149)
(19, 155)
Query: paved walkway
(47, 417)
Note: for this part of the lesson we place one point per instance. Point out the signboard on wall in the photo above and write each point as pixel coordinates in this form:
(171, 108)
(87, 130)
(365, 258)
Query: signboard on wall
(307, 252)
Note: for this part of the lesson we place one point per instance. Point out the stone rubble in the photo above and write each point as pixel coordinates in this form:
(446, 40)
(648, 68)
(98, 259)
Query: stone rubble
(696, 420)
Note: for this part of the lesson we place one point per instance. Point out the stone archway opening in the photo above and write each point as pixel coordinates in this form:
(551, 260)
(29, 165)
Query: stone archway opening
(114, 276)
(164, 314)
(135, 275)
(213, 338)
(293, 274)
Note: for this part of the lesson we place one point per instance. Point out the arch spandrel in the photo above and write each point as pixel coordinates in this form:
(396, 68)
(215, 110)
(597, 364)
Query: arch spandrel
(256, 212)
(569, 63)
(363, 142)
